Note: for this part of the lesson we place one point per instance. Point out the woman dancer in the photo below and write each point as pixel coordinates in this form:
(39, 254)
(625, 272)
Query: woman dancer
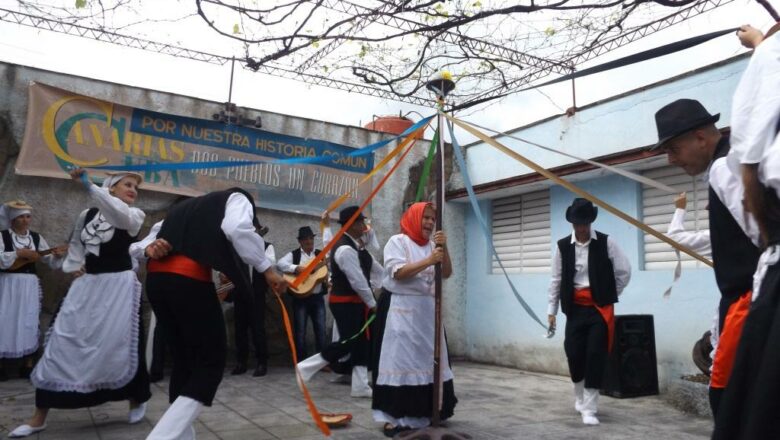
(93, 349)
(20, 288)
(403, 388)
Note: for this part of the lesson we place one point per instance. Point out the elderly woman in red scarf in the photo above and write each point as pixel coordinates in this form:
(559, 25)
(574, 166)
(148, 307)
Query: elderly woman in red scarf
(403, 388)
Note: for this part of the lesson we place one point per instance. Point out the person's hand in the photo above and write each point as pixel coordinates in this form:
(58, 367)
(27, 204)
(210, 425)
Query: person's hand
(275, 281)
(60, 250)
(298, 269)
(681, 201)
(325, 217)
(76, 173)
(749, 36)
(79, 273)
(157, 249)
(28, 254)
(440, 238)
(372, 310)
(223, 279)
(551, 321)
(437, 256)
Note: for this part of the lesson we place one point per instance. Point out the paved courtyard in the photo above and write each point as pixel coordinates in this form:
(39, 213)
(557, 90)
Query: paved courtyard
(495, 403)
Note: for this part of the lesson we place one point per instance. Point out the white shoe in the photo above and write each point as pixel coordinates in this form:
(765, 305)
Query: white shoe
(25, 430)
(136, 414)
(589, 419)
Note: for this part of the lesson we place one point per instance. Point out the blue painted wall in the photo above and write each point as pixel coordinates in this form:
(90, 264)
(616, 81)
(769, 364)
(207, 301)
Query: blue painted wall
(499, 331)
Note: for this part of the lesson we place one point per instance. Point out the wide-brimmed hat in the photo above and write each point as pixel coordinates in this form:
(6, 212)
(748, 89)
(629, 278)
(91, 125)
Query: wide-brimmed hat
(305, 232)
(581, 212)
(680, 117)
(346, 213)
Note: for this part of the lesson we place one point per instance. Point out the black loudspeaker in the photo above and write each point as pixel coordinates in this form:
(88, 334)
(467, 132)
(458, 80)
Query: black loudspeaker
(631, 369)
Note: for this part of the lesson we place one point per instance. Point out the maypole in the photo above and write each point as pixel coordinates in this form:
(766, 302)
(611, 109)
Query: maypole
(441, 86)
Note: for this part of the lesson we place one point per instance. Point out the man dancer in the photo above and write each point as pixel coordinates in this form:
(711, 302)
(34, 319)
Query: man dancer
(687, 133)
(249, 316)
(214, 231)
(588, 273)
(312, 306)
(353, 272)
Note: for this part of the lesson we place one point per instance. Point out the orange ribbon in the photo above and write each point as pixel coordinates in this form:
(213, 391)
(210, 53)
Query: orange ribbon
(584, 297)
(410, 141)
(729, 340)
(315, 414)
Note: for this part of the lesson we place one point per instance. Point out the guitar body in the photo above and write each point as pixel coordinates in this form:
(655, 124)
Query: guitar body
(305, 288)
(19, 262)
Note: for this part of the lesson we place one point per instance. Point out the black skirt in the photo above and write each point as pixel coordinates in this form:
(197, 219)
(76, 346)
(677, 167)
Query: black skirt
(405, 400)
(750, 406)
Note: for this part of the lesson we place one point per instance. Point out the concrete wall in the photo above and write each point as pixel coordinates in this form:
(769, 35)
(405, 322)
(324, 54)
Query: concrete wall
(57, 202)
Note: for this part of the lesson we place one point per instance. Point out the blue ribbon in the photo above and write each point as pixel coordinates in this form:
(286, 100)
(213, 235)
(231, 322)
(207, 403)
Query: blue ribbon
(485, 231)
(169, 166)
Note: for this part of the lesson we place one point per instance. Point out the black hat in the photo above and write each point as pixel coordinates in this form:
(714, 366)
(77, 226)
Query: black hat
(680, 117)
(581, 212)
(305, 232)
(349, 211)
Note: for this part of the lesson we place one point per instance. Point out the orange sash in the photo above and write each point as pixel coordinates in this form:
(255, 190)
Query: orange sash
(729, 340)
(584, 297)
(181, 265)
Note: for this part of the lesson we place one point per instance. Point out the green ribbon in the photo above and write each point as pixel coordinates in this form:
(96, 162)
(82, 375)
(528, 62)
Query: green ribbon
(362, 330)
(427, 168)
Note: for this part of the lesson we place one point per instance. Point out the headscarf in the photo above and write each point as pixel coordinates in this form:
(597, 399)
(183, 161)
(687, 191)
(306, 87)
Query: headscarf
(10, 210)
(411, 222)
(113, 178)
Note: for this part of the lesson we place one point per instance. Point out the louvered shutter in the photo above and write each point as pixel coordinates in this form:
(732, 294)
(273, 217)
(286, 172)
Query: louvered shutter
(521, 232)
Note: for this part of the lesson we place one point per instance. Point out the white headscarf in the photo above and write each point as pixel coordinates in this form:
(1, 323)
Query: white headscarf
(10, 210)
(113, 178)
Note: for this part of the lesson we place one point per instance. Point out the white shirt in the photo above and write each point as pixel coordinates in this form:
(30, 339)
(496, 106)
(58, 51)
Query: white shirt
(115, 212)
(401, 250)
(347, 259)
(730, 191)
(239, 230)
(755, 109)
(698, 241)
(286, 265)
(620, 265)
(25, 241)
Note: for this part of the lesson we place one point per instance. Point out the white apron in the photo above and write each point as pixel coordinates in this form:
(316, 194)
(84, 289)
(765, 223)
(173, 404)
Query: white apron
(20, 308)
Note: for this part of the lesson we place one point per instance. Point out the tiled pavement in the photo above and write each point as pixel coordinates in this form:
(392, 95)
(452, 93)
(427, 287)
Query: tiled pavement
(495, 403)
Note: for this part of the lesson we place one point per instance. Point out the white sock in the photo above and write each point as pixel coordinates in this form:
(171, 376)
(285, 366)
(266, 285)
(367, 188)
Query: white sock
(579, 392)
(360, 386)
(590, 401)
(176, 423)
(311, 365)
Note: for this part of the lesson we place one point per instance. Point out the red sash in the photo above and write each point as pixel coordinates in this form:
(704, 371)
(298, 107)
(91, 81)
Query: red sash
(584, 297)
(729, 340)
(181, 265)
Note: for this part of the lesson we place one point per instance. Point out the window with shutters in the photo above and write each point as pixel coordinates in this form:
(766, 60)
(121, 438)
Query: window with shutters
(658, 208)
(521, 232)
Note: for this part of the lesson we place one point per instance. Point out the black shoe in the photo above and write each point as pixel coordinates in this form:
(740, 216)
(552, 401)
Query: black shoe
(239, 369)
(391, 432)
(24, 372)
(260, 371)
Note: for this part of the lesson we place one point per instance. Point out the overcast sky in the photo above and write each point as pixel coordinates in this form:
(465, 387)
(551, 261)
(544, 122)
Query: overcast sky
(108, 62)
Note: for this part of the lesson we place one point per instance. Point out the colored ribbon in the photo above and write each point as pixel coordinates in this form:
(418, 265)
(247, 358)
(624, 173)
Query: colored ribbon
(427, 168)
(485, 231)
(362, 329)
(315, 414)
(576, 190)
(411, 140)
(239, 163)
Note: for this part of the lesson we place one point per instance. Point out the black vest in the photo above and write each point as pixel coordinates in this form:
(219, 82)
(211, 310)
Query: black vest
(114, 254)
(194, 229)
(734, 256)
(600, 272)
(9, 247)
(296, 254)
(259, 284)
(341, 286)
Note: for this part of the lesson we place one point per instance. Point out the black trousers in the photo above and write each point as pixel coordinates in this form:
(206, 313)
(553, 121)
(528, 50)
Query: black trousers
(159, 347)
(191, 316)
(349, 318)
(250, 321)
(586, 345)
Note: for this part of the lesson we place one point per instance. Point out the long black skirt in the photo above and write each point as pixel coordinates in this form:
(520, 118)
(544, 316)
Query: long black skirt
(750, 406)
(406, 400)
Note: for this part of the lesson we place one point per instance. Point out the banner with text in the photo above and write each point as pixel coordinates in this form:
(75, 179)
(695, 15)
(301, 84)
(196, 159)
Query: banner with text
(66, 129)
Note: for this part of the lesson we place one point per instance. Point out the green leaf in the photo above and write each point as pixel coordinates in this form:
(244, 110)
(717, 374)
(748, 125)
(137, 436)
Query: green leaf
(236, 29)
(549, 31)
(315, 44)
(477, 4)
(81, 4)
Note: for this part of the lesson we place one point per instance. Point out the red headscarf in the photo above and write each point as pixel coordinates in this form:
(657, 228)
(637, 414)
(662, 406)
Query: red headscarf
(411, 222)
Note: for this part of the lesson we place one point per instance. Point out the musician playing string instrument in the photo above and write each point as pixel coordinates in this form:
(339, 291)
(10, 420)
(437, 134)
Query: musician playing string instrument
(310, 306)
(20, 289)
